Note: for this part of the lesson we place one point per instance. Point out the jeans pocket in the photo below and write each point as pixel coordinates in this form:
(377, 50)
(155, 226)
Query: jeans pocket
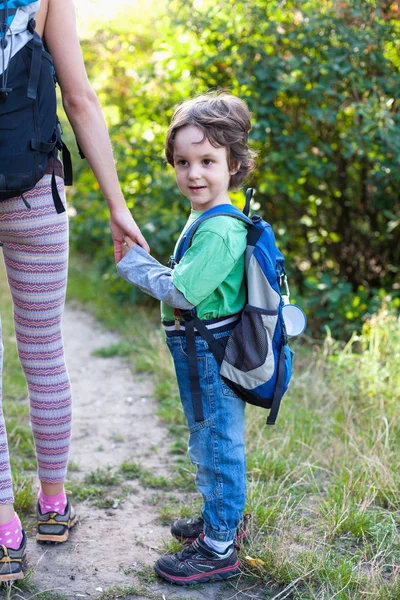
(201, 347)
(226, 390)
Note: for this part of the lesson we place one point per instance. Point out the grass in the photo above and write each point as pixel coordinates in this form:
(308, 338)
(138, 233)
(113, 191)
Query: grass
(27, 589)
(323, 484)
(104, 488)
(125, 591)
(182, 479)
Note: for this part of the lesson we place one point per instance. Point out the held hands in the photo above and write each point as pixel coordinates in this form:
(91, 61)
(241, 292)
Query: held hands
(124, 229)
(127, 244)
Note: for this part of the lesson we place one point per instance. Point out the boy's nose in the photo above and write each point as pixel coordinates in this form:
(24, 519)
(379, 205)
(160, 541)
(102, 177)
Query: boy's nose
(194, 172)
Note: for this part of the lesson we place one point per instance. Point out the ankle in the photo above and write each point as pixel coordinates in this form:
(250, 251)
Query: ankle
(219, 547)
(11, 533)
(52, 489)
(7, 513)
(56, 503)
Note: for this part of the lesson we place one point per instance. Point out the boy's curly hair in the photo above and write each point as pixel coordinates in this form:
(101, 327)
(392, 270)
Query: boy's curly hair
(225, 121)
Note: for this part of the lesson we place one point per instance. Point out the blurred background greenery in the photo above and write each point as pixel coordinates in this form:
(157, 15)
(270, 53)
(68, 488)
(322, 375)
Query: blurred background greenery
(321, 78)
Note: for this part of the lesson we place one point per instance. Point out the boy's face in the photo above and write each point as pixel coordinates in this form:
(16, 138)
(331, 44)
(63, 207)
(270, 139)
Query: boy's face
(202, 171)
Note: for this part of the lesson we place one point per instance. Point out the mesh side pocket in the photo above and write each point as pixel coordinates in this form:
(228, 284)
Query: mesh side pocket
(248, 344)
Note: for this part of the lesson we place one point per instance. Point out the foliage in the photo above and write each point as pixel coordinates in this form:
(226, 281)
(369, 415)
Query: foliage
(322, 80)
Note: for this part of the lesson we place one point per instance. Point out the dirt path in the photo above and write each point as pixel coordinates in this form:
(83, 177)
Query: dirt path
(114, 421)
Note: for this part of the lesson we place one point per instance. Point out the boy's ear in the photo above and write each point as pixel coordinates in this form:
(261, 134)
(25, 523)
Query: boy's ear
(234, 167)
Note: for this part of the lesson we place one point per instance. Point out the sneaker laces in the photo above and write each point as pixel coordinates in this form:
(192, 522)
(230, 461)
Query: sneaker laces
(188, 550)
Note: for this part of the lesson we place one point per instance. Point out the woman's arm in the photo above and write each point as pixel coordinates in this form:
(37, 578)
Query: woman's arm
(85, 115)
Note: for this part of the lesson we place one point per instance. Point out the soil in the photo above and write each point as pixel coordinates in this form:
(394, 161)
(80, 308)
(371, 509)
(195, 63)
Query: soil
(114, 421)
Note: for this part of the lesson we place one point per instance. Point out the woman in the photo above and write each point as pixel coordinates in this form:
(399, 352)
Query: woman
(35, 247)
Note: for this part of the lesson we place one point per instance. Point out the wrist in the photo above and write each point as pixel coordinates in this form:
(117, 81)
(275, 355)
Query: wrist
(116, 202)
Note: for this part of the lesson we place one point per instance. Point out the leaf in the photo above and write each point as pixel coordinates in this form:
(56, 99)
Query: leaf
(254, 562)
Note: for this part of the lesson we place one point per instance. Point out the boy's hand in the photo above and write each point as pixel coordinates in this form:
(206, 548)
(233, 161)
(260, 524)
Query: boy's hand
(127, 244)
(122, 224)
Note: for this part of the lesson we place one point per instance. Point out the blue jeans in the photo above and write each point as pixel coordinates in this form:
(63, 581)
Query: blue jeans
(216, 445)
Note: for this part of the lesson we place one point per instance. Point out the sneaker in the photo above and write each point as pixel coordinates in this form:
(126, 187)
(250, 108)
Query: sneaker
(188, 530)
(11, 561)
(198, 563)
(52, 527)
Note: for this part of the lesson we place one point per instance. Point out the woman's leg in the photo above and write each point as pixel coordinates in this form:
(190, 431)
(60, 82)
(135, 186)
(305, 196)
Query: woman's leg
(6, 492)
(35, 245)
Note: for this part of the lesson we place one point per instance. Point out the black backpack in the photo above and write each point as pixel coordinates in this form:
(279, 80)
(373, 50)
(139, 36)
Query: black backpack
(30, 132)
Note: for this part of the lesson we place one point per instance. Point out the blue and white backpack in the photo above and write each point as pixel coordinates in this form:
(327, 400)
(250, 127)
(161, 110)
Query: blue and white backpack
(255, 360)
(29, 128)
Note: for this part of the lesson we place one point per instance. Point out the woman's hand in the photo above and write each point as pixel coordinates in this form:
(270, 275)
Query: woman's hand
(127, 244)
(124, 229)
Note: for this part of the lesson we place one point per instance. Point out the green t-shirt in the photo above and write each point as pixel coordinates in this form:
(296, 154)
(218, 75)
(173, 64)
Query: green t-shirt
(210, 274)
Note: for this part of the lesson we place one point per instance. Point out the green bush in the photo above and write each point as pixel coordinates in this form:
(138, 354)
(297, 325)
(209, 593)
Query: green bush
(321, 80)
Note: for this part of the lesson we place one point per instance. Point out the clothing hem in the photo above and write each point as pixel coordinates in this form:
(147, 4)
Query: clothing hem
(228, 536)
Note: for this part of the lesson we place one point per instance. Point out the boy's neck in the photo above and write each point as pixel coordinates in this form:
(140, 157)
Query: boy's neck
(200, 209)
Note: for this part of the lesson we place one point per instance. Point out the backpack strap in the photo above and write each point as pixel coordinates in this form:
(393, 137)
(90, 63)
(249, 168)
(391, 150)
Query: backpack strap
(67, 164)
(192, 321)
(59, 206)
(194, 371)
(276, 400)
(221, 210)
(249, 195)
(66, 155)
(35, 64)
(4, 27)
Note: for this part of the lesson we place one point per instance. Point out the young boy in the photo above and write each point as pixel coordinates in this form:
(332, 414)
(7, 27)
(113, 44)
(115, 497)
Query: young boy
(207, 144)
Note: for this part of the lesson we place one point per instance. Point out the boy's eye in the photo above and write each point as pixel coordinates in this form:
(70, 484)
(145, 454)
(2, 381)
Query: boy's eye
(207, 161)
(182, 162)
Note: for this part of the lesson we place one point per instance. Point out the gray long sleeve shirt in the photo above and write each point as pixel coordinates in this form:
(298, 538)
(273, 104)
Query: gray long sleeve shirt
(150, 276)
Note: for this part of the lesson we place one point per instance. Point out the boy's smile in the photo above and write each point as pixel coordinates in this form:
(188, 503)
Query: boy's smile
(201, 169)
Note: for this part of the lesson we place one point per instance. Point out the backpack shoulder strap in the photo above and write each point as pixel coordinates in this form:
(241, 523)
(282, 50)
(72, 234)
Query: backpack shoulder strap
(249, 195)
(221, 210)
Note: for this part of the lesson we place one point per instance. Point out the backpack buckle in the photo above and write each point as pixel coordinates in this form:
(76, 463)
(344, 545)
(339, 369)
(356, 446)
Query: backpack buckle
(4, 94)
(31, 26)
(187, 314)
(171, 263)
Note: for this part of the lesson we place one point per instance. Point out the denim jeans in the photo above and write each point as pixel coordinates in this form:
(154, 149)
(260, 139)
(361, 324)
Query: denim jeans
(216, 445)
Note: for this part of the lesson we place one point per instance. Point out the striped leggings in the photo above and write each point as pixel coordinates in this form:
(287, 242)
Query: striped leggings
(35, 248)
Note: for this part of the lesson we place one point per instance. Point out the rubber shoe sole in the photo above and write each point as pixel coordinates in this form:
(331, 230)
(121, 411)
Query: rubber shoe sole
(198, 563)
(54, 528)
(218, 575)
